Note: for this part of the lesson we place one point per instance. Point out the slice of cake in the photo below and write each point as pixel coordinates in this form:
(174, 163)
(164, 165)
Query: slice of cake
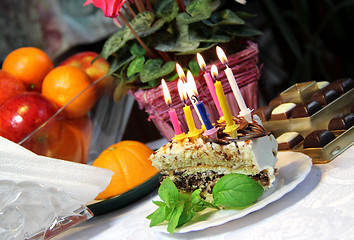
(198, 163)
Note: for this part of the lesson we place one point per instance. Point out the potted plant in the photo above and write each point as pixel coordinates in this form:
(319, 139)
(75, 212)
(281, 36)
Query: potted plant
(152, 36)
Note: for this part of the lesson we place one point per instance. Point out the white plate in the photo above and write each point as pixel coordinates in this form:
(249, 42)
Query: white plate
(293, 167)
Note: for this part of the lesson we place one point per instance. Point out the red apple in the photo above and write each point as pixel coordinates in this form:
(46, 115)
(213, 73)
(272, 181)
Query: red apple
(24, 113)
(9, 87)
(83, 60)
(96, 69)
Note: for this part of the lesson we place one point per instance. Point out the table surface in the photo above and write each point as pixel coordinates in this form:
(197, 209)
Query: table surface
(321, 207)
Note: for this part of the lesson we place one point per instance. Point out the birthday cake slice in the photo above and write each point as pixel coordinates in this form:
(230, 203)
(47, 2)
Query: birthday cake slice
(198, 163)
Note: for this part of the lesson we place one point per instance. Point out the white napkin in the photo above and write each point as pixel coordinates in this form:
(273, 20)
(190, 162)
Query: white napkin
(81, 182)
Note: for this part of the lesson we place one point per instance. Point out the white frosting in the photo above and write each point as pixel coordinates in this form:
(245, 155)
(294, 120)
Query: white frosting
(286, 137)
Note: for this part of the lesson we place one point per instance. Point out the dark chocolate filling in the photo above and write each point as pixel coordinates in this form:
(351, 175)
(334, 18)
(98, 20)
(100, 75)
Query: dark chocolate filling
(206, 181)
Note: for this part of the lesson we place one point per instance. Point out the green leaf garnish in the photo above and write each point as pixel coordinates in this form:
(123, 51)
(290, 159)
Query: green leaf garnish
(236, 190)
(232, 190)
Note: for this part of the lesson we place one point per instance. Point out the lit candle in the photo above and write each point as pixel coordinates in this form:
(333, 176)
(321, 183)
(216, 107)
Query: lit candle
(210, 83)
(244, 110)
(184, 79)
(193, 131)
(231, 127)
(193, 92)
(172, 112)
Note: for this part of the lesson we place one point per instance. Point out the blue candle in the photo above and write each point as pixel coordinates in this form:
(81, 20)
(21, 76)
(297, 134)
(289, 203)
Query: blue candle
(204, 115)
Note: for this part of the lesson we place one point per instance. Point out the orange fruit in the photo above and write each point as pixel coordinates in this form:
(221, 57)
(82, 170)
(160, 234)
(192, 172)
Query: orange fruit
(28, 64)
(129, 160)
(63, 84)
(66, 139)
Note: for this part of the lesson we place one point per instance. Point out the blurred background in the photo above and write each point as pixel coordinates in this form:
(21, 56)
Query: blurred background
(302, 40)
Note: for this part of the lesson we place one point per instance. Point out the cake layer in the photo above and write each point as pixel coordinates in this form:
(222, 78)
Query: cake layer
(252, 155)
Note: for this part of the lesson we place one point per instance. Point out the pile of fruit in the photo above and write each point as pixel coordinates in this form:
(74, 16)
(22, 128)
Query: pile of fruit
(35, 93)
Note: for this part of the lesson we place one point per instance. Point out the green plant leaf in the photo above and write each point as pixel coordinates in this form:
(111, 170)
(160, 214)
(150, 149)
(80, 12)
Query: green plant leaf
(194, 67)
(113, 43)
(142, 25)
(245, 15)
(159, 215)
(152, 70)
(243, 31)
(236, 190)
(168, 192)
(119, 91)
(177, 40)
(196, 10)
(203, 33)
(175, 216)
(137, 50)
(166, 9)
(135, 66)
(225, 17)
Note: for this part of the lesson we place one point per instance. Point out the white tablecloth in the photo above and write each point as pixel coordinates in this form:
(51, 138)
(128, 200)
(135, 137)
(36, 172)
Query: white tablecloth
(321, 207)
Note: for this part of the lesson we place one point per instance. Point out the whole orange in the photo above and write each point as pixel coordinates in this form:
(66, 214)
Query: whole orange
(63, 84)
(28, 64)
(129, 160)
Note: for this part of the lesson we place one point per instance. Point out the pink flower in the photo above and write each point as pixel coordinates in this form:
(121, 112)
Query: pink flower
(110, 8)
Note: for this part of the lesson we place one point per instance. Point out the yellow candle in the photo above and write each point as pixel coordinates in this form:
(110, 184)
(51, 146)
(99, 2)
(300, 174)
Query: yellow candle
(231, 127)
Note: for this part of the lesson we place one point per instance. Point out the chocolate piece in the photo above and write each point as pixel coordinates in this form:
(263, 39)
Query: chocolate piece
(342, 85)
(264, 113)
(318, 139)
(276, 102)
(306, 110)
(289, 140)
(283, 111)
(322, 84)
(325, 96)
(341, 122)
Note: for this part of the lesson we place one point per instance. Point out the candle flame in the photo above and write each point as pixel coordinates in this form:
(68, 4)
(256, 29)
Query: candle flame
(180, 72)
(191, 87)
(214, 72)
(201, 61)
(166, 92)
(221, 55)
(181, 90)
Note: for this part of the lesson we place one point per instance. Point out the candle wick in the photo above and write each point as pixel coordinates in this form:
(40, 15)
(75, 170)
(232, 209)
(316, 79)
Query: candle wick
(195, 98)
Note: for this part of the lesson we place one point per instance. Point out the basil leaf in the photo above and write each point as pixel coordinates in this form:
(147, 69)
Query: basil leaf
(236, 190)
(168, 192)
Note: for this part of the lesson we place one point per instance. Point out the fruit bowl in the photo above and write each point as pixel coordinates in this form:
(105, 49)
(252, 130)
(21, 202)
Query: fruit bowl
(82, 139)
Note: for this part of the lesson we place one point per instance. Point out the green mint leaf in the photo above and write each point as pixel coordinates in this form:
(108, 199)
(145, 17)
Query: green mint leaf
(168, 192)
(236, 190)
(175, 216)
(159, 215)
(187, 214)
(159, 203)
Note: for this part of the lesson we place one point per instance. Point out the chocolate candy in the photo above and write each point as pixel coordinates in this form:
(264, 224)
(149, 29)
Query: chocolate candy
(342, 85)
(306, 110)
(289, 140)
(325, 96)
(342, 122)
(322, 84)
(283, 111)
(264, 113)
(276, 102)
(318, 139)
